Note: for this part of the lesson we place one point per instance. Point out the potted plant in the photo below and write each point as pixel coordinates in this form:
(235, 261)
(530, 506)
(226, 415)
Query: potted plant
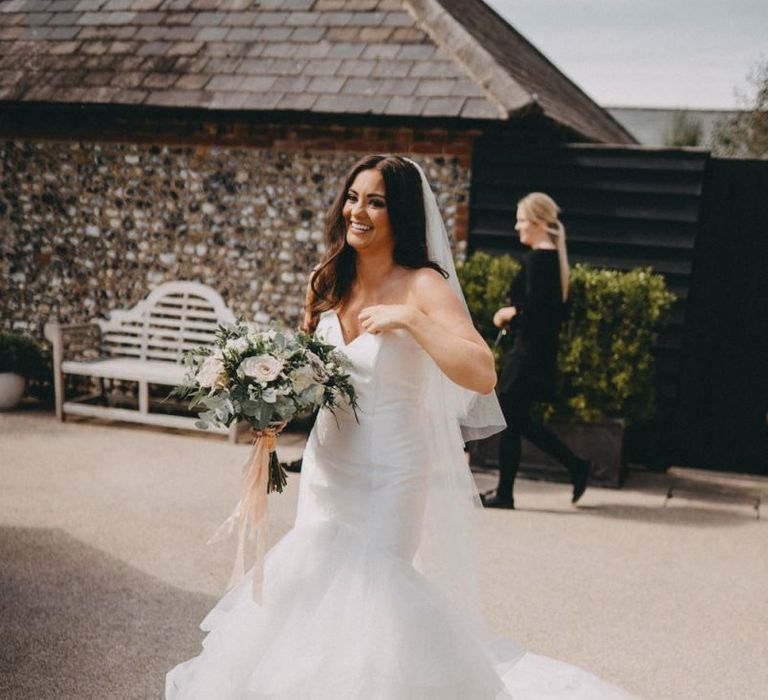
(605, 365)
(20, 359)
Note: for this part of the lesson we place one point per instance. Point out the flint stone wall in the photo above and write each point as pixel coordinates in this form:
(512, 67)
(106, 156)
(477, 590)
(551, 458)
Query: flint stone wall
(89, 227)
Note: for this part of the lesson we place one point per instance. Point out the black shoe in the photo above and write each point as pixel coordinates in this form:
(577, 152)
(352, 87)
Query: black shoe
(493, 500)
(581, 479)
(294, 466)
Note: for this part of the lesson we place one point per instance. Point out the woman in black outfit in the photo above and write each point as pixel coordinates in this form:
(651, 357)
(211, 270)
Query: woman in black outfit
(536, 302)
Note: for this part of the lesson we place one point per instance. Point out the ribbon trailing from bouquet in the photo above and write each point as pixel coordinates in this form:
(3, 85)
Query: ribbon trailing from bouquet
(250, 515)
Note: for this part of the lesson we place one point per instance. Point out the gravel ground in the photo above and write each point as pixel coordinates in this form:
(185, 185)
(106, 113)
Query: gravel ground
(105, 572)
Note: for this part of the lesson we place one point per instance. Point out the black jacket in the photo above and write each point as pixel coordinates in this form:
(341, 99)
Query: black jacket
(529, 368)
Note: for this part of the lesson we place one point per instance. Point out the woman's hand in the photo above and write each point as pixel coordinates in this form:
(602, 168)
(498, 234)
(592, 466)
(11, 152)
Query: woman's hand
(503, 316)
(386, 317)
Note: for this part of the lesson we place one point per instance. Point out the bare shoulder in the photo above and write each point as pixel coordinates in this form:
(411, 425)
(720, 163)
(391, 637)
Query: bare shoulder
(429, 291)
(426, 281)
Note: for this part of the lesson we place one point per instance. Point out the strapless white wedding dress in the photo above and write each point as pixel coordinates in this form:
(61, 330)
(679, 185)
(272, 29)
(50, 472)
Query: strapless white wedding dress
(345, 614)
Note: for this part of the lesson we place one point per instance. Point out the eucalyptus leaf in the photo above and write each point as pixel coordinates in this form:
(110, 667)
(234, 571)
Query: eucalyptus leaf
(250, 408)
(285, 408)
(212, 401)
(265, 415)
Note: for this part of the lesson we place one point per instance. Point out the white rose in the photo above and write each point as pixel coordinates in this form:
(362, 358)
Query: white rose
(238, 344)
(263, 368)
(211, 372)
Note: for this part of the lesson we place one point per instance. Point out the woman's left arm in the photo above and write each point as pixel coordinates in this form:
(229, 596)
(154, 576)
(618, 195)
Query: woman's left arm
(436, 319)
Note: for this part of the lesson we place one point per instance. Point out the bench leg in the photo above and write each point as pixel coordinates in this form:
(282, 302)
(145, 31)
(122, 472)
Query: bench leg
(58, 391)
(58, 385)
(143, 397)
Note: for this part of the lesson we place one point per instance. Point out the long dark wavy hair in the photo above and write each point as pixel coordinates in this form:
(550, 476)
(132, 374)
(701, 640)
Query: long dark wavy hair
(332, 280)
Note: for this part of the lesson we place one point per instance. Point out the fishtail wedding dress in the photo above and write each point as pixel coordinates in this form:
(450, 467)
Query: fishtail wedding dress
(348, 612)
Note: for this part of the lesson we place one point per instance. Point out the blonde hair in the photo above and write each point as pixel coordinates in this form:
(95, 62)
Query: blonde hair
(540, 207)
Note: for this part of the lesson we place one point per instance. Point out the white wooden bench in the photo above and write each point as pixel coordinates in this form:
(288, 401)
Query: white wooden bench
(144, 344)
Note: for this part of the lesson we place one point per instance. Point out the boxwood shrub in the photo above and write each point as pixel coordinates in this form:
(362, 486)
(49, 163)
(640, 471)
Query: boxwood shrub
(605, 359)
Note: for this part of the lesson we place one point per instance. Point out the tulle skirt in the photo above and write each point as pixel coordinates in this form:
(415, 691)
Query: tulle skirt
(342, 619)
(338, 619)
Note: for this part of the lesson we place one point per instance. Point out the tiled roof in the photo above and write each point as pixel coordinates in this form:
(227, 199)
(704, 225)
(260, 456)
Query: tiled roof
(391, 57)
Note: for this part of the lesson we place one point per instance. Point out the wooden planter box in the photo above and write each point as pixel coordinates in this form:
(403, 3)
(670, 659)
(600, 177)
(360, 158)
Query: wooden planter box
(600, 442)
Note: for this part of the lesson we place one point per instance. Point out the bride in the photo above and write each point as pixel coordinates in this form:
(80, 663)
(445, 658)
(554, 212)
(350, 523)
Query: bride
(372, 594)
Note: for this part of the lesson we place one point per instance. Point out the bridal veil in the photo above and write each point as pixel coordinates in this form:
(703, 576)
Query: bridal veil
(448, 551)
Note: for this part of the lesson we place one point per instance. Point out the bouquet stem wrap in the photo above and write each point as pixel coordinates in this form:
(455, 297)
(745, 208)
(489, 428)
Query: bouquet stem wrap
(262, 473)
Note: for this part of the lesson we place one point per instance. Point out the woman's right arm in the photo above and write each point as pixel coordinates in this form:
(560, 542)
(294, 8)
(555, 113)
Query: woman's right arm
(517, 294)
(505, 314)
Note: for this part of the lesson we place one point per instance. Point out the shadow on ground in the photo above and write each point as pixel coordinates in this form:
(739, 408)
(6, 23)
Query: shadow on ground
(78, 623)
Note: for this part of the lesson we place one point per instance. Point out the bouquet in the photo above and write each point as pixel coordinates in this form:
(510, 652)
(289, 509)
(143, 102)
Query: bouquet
(264, 378)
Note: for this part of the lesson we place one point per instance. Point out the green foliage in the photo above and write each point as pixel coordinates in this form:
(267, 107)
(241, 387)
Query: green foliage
(22, 355)
(605, 361)
(745, 134)
(485, 280)
(684, 131)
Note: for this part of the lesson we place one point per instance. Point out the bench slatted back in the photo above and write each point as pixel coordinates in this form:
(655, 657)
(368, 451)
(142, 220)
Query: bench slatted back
(175, 317)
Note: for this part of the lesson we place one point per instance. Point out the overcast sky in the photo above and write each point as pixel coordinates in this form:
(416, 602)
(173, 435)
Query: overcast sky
(648, 53)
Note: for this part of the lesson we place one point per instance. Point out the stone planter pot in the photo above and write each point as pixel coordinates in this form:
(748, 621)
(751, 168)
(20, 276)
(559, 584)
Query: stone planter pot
(600, 442)
(11, 389)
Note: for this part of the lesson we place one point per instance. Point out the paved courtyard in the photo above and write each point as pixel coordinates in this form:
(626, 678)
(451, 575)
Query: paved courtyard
(105, 573)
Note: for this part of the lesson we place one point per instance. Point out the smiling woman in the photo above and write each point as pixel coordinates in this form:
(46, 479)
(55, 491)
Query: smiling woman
(377, 275)
(383, 193)
(373, 593)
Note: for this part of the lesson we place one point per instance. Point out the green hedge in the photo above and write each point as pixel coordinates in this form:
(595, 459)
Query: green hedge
(605, 360)
(485, 280)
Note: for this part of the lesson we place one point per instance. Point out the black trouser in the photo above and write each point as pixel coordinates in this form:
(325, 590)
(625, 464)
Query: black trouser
(516, 408)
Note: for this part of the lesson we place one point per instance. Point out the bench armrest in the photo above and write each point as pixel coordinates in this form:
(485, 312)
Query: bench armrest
(80, 341)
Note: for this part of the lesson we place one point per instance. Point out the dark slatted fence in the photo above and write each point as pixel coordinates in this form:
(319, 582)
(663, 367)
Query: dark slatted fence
(622, 208)
(723, 404)
(626, 207)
